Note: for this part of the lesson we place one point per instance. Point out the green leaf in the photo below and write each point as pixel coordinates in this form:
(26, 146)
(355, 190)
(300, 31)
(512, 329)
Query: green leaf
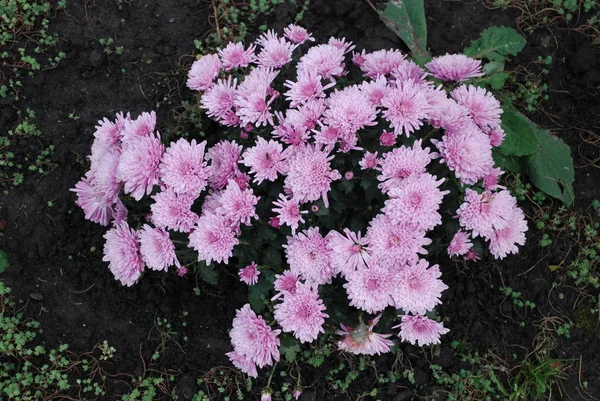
(289, 348)
(520, 139)
(272, 257)
(208, 273)
(551, 167)
(495, 43)
(3, 261)
(516, 164)
(493, 67)
(257, 293)
(406, 18)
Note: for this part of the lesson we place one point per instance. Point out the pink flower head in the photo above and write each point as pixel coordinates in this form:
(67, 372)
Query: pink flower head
(253, 338)
(122, 251)
(234, 55)
(238, 205)
(296, 34)
(182, 271)
(94, 201)
(307, 115)
(249, 274)
(307, 87)
(486, 212)
(297, 393)
(218, 101)
(358, 58)
(497, 135)
(471, 255)
(483, 107)
(203, 72)
(213, 238)
(420, 330)
(341, 44)
(362, 340)
(460, 244)
(468, 154)
(310, 175)
(224, 157)
(183, 167)
(375, 90)
(504, 241)
(265, 159)
(369, 161)
(416, 202)
(381, 62)
(349, 251)
(274, 222)
(286, 283)
(454, 67)
(401, 163)
(349, 110)
(348, 175)
(109, 134)
(103, 173)
(156, 248)
(254, 97)
(490, 181)
(387, 138)
(142, 126)
(405, 107)
(326, 60)
(121, 212)
(309, 256)
(173, 211)
(288, 212)
(243, 363)
(418, 288)
(276, 52)
(266, 395)
(138, 165)
(449, 115)
(408, 70)
(301, 313)
(396, 244)
(371, 288)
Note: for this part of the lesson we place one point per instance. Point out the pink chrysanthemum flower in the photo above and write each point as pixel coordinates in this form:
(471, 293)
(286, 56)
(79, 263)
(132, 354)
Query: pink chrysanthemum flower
(265, 159)
(138, 165)
(483, 107)
(362, 340)
(122, 251)
(296, 34)
(504, 241)
(121, 212)
(449, 115)
(483, 213)
(310, 175)
(420, 330)
(103, 172)
(288, 212)
(369, 161)
(327, 137)
(234, 55)
(381, 62)
(341, 44)
(254, 97)
(183, 167)
(387, 138)
(408, 70)
(249, 274)
(253, 338)
(405, 107)
(95, 202)
(468, 154)
(108, 133)
(491, 179)
(238, 205)
(358, 58)
(309, 256)
(203, 72)
(460, 244)
(375, 90)
(224, 157)
(326, 60)
(396, 244)
(371, 288)
(497, 135)
(401, 163)
(276, 52)
(142, 126)
(173, 211)
(307, 87)
(454, 67)
(418, 287)
(157, 249)
(218, 102)
(307, 115)
(213, 238)
(349, 252)
(301, 313)
(471, 255)
(349, 110)
(416, 202)
(243, 363)
(285, 283)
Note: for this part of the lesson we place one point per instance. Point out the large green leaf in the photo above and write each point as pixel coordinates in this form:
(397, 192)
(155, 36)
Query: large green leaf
(289, 348)
(3, 261)
(208, 273)
(551, 167)
(496, 43)
(515, 164)
(257, 293)
(520, 139)
(406, 18)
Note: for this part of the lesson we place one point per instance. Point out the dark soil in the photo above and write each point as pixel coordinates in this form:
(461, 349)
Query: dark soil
(56, 253)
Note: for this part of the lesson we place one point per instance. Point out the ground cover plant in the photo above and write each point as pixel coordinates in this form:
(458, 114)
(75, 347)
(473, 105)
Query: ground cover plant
(521, 327)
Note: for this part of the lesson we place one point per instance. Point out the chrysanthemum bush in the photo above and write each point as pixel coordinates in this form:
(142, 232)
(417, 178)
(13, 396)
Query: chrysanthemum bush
(334, 174)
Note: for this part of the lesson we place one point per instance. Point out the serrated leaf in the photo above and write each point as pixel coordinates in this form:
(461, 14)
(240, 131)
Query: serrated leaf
(493, 67)
(406, 18)
(516, 164)
(551, 167)
(3, 261)
(289, 348)
(208, 273)
(495, 43)
(520, 139)
(257, 293)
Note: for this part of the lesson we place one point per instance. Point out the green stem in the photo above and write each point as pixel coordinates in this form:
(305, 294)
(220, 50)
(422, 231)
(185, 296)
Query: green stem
(271, 374)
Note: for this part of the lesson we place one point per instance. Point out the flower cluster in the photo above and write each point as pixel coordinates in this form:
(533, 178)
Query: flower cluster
(403, 134)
